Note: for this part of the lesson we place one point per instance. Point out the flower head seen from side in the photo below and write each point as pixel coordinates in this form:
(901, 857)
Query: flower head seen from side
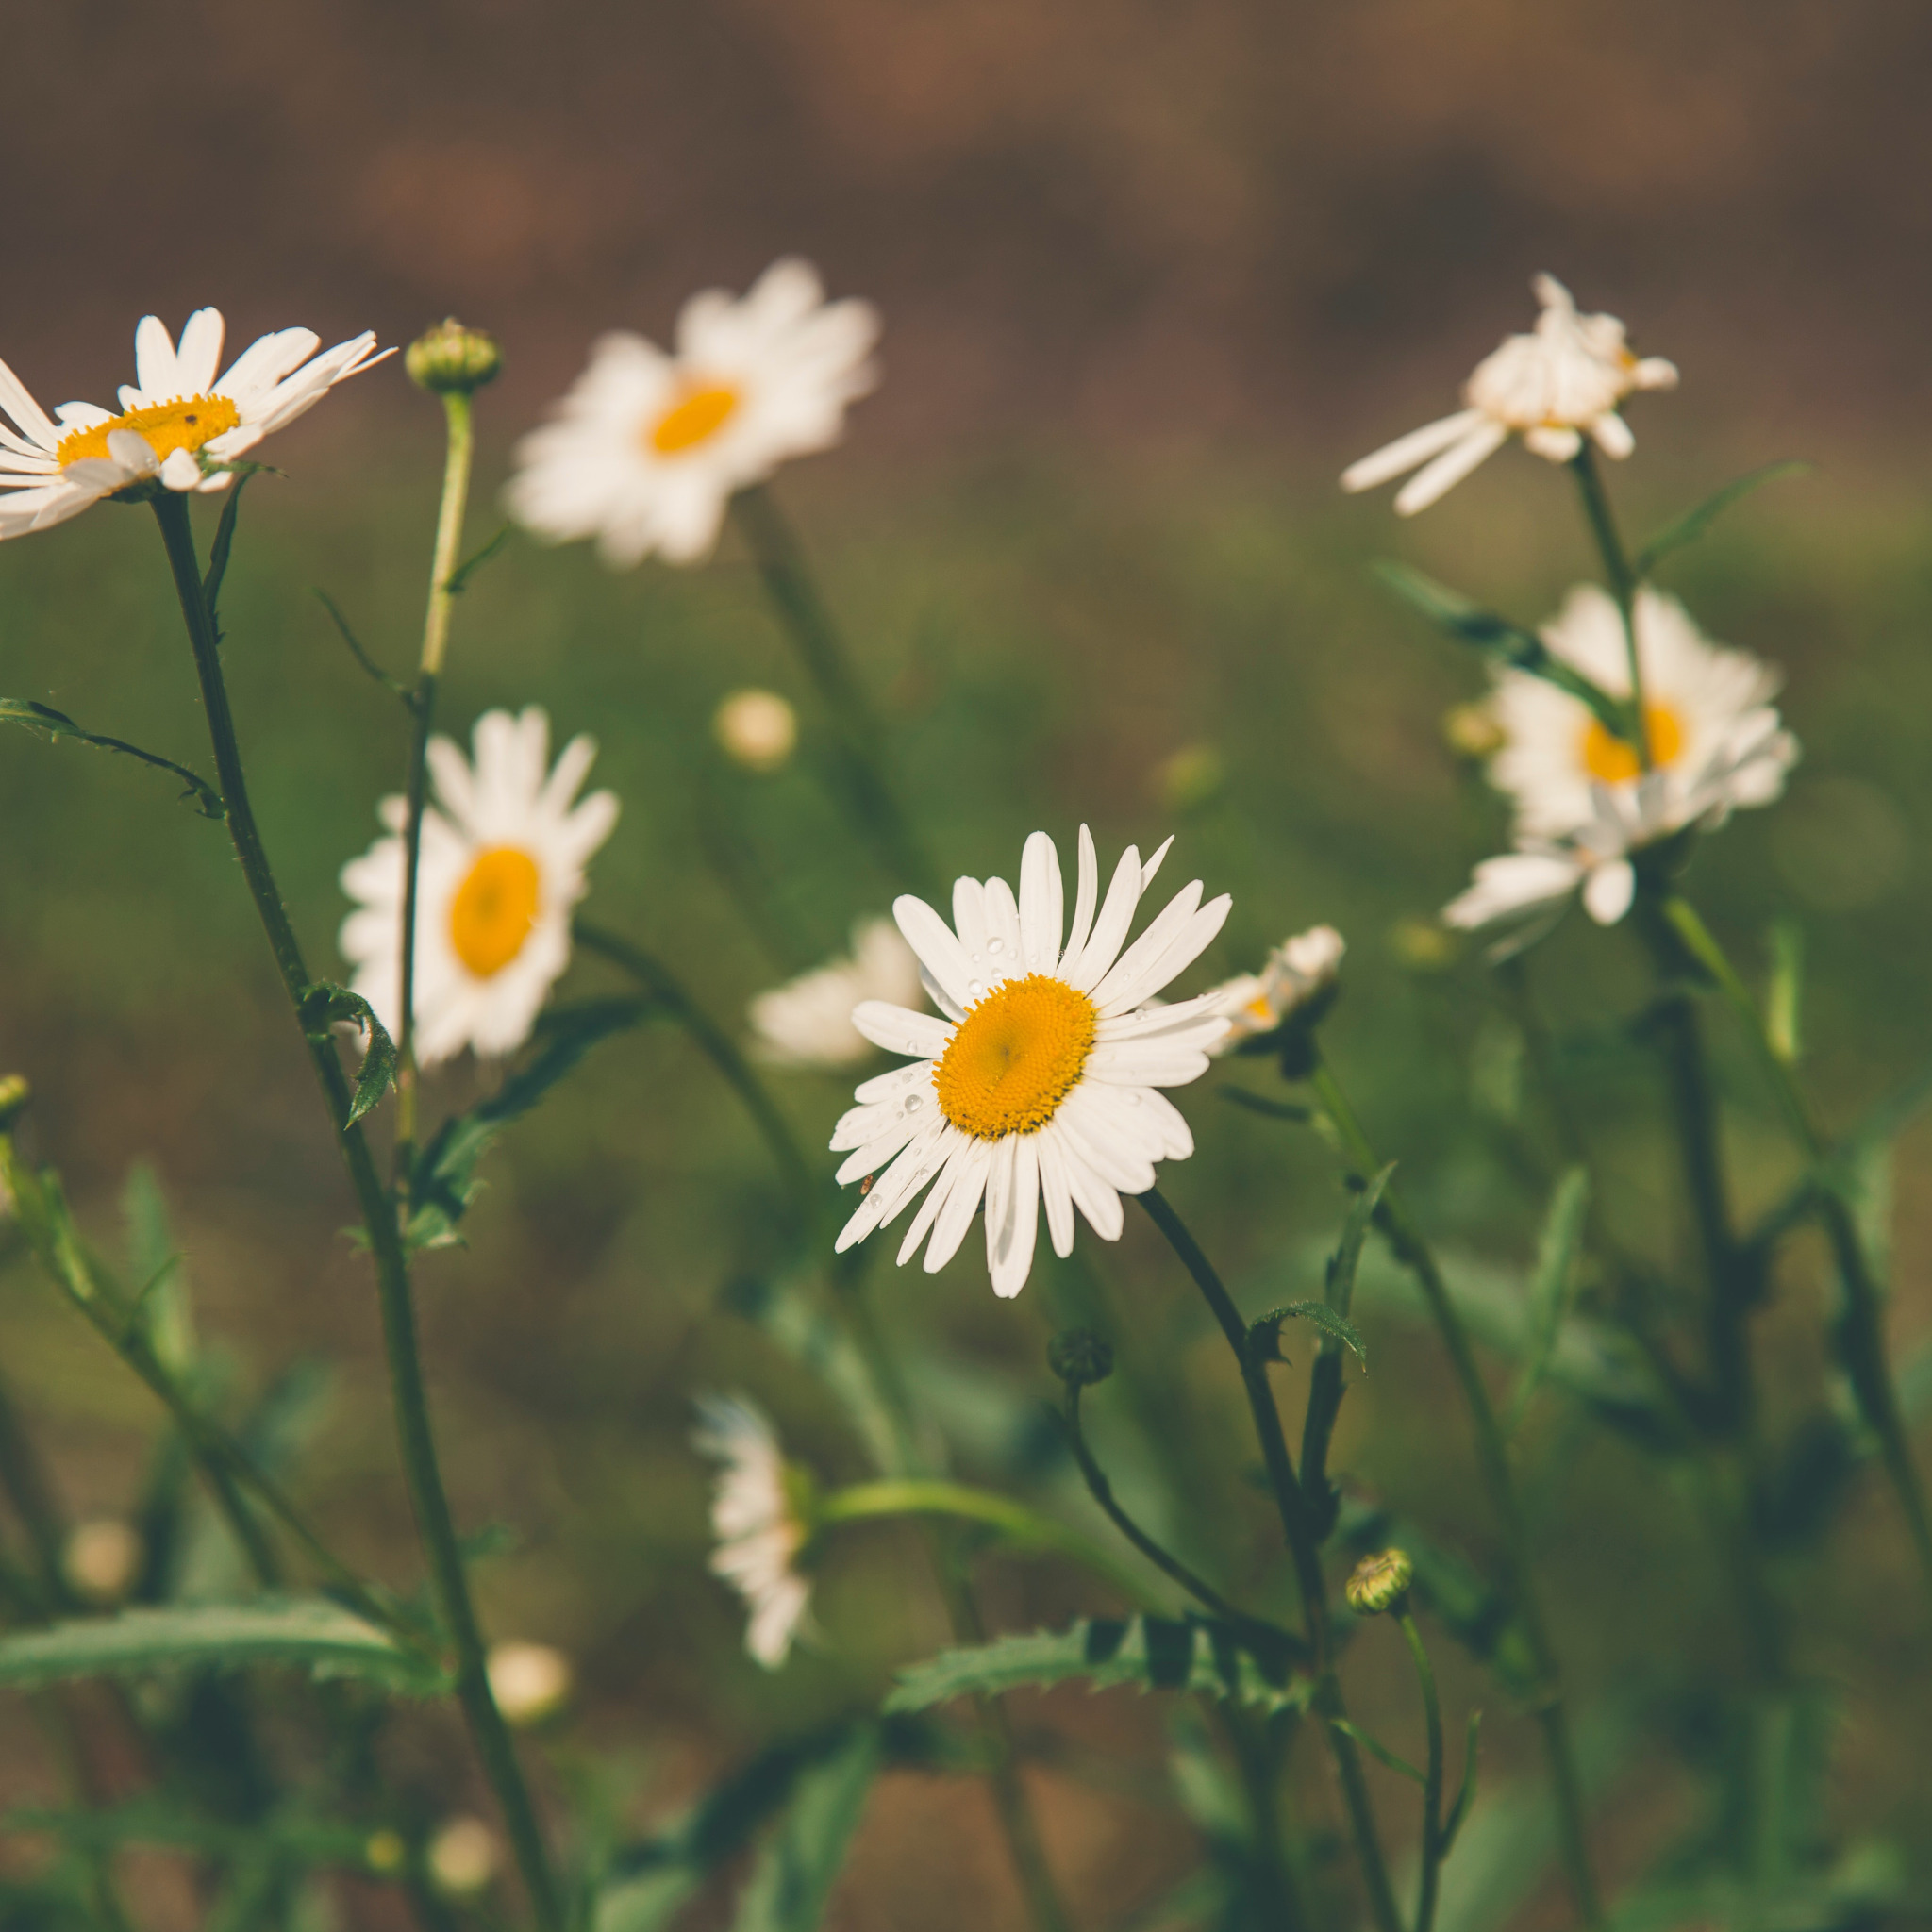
(808, 1021)
(1553, 387)
(503, 851)
(1297, 971)
(178, 422)
(648, 448)
(1712, 730)
(1040, 1088)
(756, 1518)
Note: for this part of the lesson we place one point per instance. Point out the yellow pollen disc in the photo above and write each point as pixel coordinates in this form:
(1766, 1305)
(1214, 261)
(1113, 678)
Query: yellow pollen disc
(1614, 760)
(700, 411)
(185, 423)
(1259, 1008)
(1015, 1057)
(494, 909)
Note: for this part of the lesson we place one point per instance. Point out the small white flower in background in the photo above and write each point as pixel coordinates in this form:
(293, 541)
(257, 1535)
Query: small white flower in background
(461, 1857)
(502, 866)
(808, 1021)
(1040, 1085)
(757, 1526)
(175, 419)
(530, 1681)
(1552, 387)
(648, 449)
(757, 728)
(1712, 730)
(103, 1559)
(1258, 1003)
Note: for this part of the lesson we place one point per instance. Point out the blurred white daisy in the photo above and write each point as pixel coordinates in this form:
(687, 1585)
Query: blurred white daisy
(1708, 715)
(757, 1521)
(504, 850)
(1552, 387)
(648, 449)
(177, 423)
(808, 1021)
(1254, 1004)
(1040, 1088)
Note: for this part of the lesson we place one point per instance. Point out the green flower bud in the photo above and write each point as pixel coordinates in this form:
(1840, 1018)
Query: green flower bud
(1379, 1583)
(1079, 1358)
(14, 1094)
(452, 357)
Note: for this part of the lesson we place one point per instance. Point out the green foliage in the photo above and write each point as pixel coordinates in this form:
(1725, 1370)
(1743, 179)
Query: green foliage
(1550, 1287)
(324, 1006)
(796, 1867)
(1265, 1334)
(1694, 523)
(53, 724)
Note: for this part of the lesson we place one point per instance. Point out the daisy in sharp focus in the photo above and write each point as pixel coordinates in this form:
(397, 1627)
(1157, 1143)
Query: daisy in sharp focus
(504, 850)
(1552, 387)
(756, 1518)
(1040, 1085)
(648, 449)
(808, 1021)
(178, 424)
(1297, 970)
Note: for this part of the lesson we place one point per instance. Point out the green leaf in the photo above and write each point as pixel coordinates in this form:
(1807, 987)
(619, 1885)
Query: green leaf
(1466, 1796)
(1694, 524)
(324, 1005)
(1265, 1334)
(1550, 1288)
(163, 1303)
(1339, 1276)
(1784, 997)
(224, 544)
(798, 1862)
(459, 578)
(360, 656)
(1380, 1753)
(52, 725)
(310, 1632)
(1151, 1653)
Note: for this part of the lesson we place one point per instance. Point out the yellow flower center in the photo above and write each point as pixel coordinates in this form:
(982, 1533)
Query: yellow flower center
(494, 909)
(1614, 759)
(186, 423)
(1015, 1057)
(701, 409)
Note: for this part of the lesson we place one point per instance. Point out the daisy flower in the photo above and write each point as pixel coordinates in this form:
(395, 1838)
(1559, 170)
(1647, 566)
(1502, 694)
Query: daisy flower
(808, 1021)
(176, 425)
(504, 850)
(759, 1525)
(1298, 970)
(1706, 712)
(1552, 387)
(1040, 1085)
(648, 449)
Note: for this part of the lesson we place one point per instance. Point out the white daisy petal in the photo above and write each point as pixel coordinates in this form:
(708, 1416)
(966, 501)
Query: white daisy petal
(1111, 929)
(1085, 897)
(1056, 1194)
(954, 1152)
(956, 1217)
(1409, 452)
(936, 946)
(1042, 905)
(898, 1030)
(1010, 1240)
(1431, 484)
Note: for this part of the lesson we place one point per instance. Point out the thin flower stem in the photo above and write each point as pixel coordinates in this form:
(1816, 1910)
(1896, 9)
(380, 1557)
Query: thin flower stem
(1432, 1789)
(870, 798)
(421, 1472)
(1492, 1460)
(1861, 1323)
(1622, 583)
(23, 1478)
(1292, 1509)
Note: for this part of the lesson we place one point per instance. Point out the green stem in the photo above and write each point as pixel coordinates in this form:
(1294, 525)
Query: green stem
(421, 1472)
(23, 1478)
(870, 798)
(1622, 583)
(1292, 1509)
(1432, 1789)
(1492, 1460)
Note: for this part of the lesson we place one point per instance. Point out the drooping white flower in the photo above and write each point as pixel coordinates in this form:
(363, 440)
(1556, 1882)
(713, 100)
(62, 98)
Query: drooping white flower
(1552, 387)
(1298, 969)
(648, 449)
(1712, 730)
(759, 1532)
(808, 1021)
(504, 850)
(1040, 1085)
(177, 423)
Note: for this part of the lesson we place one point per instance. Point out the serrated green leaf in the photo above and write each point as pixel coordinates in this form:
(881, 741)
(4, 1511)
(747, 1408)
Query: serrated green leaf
(1151, 1653)
(1694, 524)
(311, 1633)
(797, 1864)
(1379, 1752)
(1550, 1287)
(325, 1004)
(53, 724)
(1267, 1331)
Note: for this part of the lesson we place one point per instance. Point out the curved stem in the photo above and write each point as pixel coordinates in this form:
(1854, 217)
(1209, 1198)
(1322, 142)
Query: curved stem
(1432, 1789)
(422, 1471)
(1623, 584)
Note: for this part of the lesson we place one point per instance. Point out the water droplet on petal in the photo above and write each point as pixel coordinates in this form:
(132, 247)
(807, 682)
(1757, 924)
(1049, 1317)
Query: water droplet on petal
(995, 946)
(913, 1102)
(1133, 1099)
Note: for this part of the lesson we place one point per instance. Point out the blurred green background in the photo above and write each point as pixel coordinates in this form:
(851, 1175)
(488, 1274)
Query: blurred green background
(1146, 283)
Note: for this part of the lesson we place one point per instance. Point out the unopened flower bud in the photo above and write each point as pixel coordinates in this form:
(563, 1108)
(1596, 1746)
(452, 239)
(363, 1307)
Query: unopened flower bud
(1472, 732)
(14, 1094)
(462, 1858)
(102, 1559)
(452, 357)
(757, 728)
(1079, 1358)
(530, 1681)
(1379, 1583)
